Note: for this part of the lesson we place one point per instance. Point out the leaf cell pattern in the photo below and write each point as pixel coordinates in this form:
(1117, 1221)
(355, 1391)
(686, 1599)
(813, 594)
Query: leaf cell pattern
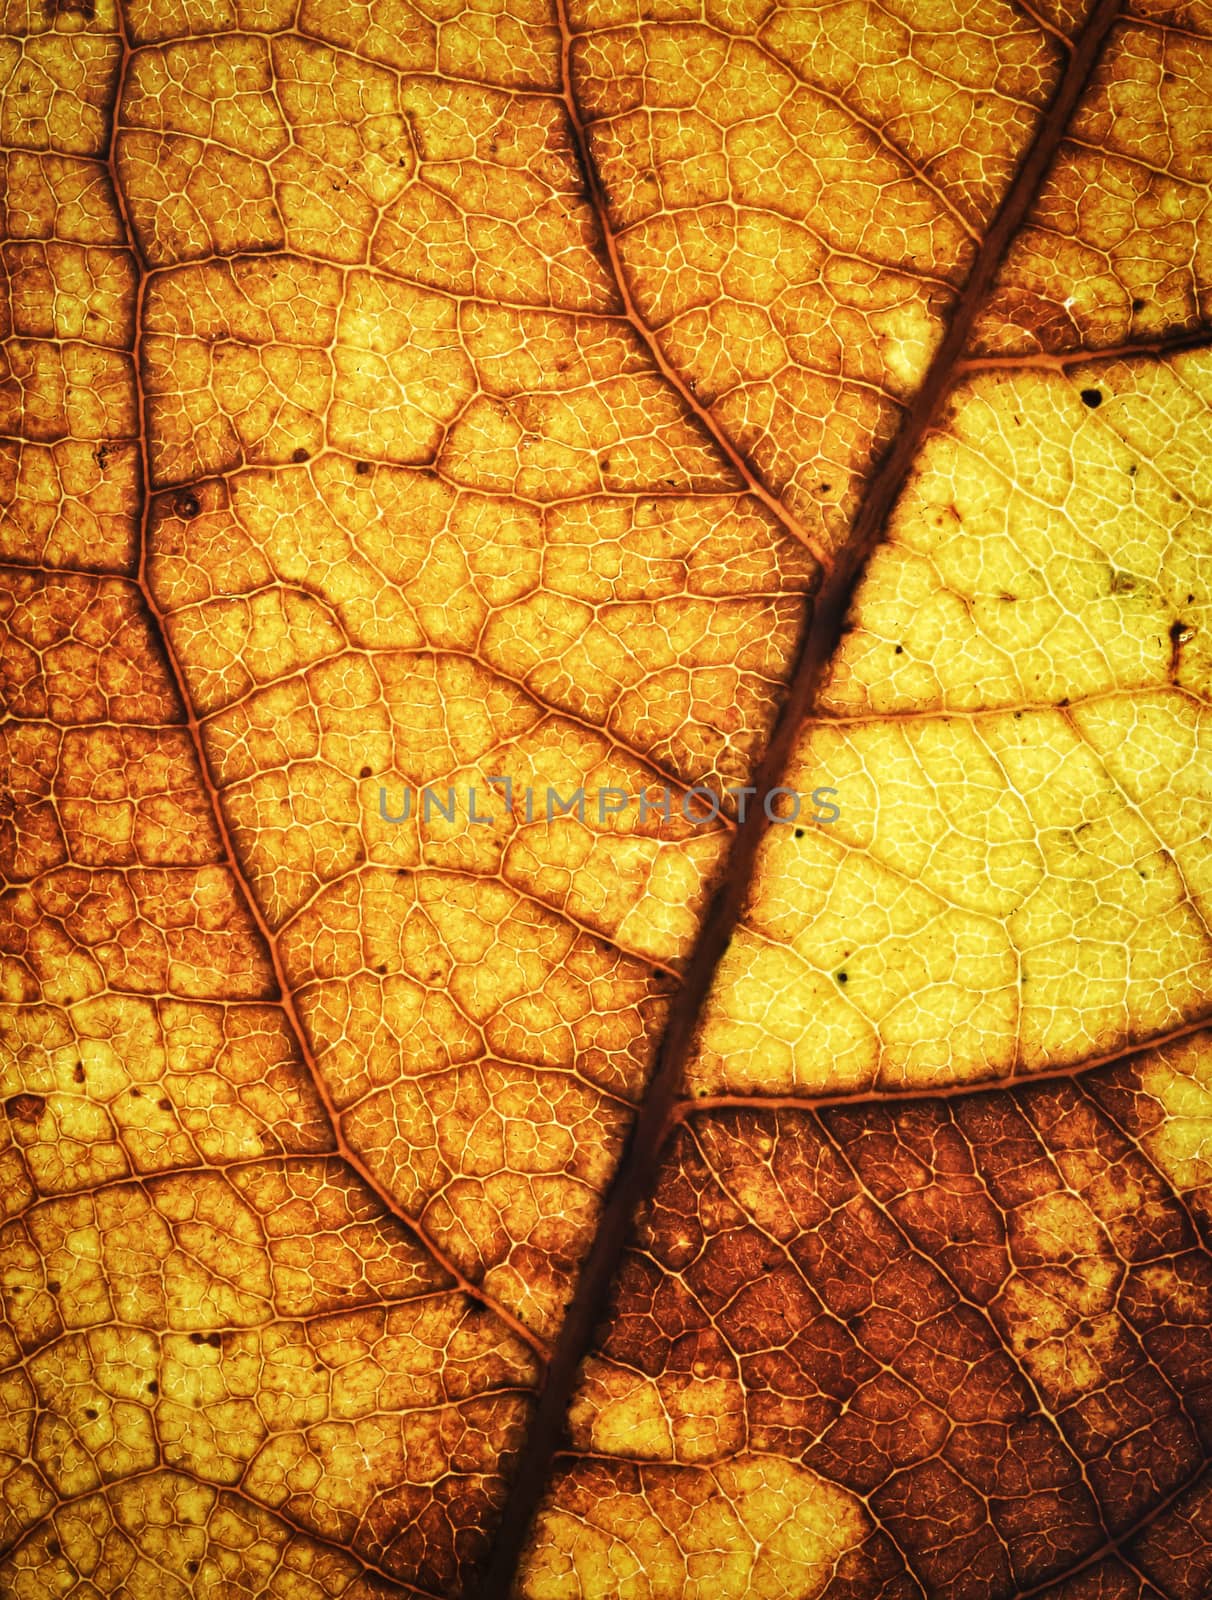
(587, 396)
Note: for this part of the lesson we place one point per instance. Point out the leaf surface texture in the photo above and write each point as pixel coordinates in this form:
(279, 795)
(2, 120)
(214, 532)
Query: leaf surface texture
(598, 397)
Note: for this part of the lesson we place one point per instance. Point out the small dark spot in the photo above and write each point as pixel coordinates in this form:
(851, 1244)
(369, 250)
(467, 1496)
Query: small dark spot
(1132, 470)
(54, 1548)
(362, 468)
(1180, 632)
(843, 977)
(215, 1341)
(799, 833)
(136, 1094)
(196, 1338)
(191, 1567)
(25, 1108)
(1138, 305)
(1018, 716)
(78, 1072)
(91, 1413)
(187, 505)
(1092, 398)
(300, 455)
(900, 650)
(164, 1105)
(53, 1285)
(364, 773)
(382, 967)
(825, 488)
(153, 1387)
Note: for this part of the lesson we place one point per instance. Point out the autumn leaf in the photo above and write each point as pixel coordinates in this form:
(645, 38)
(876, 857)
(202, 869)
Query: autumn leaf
(586, 399)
